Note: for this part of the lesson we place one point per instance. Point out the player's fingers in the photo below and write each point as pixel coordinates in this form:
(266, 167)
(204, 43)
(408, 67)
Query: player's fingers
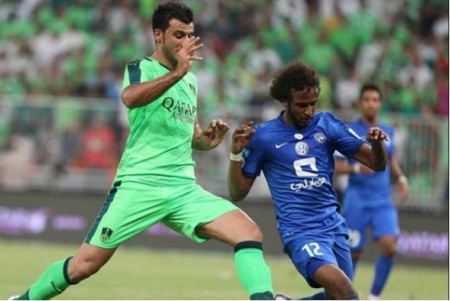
(224, 128)
(250, 134)
(193, 41)
(196, 58)
(376, 134)
(242, 128)
(208, 132)
(195, 47)
(238, 131)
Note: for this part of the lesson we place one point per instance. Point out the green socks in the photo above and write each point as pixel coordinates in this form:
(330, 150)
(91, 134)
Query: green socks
(251, 268)
(52, 282)
(253, 271)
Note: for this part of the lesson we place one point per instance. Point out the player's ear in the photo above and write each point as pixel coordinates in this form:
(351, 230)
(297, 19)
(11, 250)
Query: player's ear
(158, 34)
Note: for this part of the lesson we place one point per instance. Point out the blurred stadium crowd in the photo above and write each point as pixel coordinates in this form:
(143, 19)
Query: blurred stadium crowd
(80, 48)
(54, 49)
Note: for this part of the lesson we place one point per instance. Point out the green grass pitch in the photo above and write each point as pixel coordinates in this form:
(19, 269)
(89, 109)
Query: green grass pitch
(138, 273)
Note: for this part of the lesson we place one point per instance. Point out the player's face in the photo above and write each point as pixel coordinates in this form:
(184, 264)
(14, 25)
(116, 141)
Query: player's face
(302, 107)
(173, 38)
(370, 104)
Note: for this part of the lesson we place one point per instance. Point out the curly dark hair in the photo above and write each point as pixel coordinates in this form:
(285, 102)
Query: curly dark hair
(294, 77)
(168, 11)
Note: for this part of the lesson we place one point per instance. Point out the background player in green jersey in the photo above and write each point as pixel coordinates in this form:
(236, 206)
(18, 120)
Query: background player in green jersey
(155, 178)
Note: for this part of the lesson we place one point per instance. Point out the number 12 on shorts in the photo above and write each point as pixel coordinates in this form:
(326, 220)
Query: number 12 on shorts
(313, 249)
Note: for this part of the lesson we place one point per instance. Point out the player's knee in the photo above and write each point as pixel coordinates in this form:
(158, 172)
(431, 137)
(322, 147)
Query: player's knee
(80, 270)
(389, 250)
(250, 232)
(255, 233)
(343, 290)
(336, 284)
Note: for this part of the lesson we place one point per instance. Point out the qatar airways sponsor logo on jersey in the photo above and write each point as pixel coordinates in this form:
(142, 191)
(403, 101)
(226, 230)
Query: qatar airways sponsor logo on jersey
(308, 184)
(179, 110)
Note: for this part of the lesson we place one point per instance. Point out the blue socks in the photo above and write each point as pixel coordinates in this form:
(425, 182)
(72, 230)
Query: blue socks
(383, 268)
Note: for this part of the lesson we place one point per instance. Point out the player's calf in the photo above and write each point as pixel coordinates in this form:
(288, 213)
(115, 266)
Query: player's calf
(237, 229)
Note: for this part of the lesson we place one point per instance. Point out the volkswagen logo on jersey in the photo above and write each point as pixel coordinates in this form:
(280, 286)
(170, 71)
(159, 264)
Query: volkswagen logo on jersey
(320, 137)
(301, 148)
(298, 136)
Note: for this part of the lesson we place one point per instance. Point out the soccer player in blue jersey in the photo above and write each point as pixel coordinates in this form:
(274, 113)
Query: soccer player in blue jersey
(295, 152)
(368, 201)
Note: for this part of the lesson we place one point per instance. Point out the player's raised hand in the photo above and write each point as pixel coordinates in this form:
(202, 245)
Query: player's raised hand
(375, 134)
(185, 54)
(215, 132)
(241, 137)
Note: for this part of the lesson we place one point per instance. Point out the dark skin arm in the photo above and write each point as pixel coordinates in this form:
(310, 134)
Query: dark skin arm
(342, 167)
(238, 184)
(373, 155)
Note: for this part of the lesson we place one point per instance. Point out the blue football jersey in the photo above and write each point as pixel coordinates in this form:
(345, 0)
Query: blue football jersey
(298, 166)
(375, 189)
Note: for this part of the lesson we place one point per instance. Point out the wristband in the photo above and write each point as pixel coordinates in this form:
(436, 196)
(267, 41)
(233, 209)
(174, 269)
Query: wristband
(357, 168)
(402, 179)
(236, 157)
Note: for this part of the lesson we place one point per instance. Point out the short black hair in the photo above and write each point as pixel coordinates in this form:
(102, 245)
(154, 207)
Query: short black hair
(294, 77)
(369, 87)
(168, 11)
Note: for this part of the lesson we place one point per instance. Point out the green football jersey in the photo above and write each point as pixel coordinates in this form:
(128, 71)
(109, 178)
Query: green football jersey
(158, 148)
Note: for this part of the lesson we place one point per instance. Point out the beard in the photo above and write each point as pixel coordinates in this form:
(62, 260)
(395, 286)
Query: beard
(169, 55)
(299, 123)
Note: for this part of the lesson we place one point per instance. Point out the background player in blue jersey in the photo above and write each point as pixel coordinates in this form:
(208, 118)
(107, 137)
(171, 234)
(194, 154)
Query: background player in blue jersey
(295, 152)
(367, 201)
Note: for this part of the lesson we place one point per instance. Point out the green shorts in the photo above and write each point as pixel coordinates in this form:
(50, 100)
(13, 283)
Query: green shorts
(132, 207)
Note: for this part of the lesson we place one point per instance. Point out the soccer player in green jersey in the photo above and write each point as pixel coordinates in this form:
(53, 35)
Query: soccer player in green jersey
(155, 179)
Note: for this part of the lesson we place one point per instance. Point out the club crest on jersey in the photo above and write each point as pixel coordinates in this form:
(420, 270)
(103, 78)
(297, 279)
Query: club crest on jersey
(298, 136)
(320, 137)
(106, 234)
(301, 148)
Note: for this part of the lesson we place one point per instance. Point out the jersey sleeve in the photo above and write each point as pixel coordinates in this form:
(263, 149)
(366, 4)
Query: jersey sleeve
(253, 158)
(135, 73)
(346, 141)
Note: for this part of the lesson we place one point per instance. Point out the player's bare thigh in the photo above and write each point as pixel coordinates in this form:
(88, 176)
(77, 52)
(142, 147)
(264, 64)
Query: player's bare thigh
(87, 261)
(232, 228)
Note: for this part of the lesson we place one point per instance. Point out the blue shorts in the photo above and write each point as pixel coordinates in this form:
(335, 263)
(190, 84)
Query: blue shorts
(310, 252)
(383, 221)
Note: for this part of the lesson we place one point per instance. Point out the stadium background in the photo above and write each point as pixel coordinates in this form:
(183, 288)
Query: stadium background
(62, 124)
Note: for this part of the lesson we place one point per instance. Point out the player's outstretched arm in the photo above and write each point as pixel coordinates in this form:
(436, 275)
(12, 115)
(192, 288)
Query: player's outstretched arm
(400, 179)
(342, 167)
(211, 137)
(373, 155)
(238, 184)
(138, 95)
